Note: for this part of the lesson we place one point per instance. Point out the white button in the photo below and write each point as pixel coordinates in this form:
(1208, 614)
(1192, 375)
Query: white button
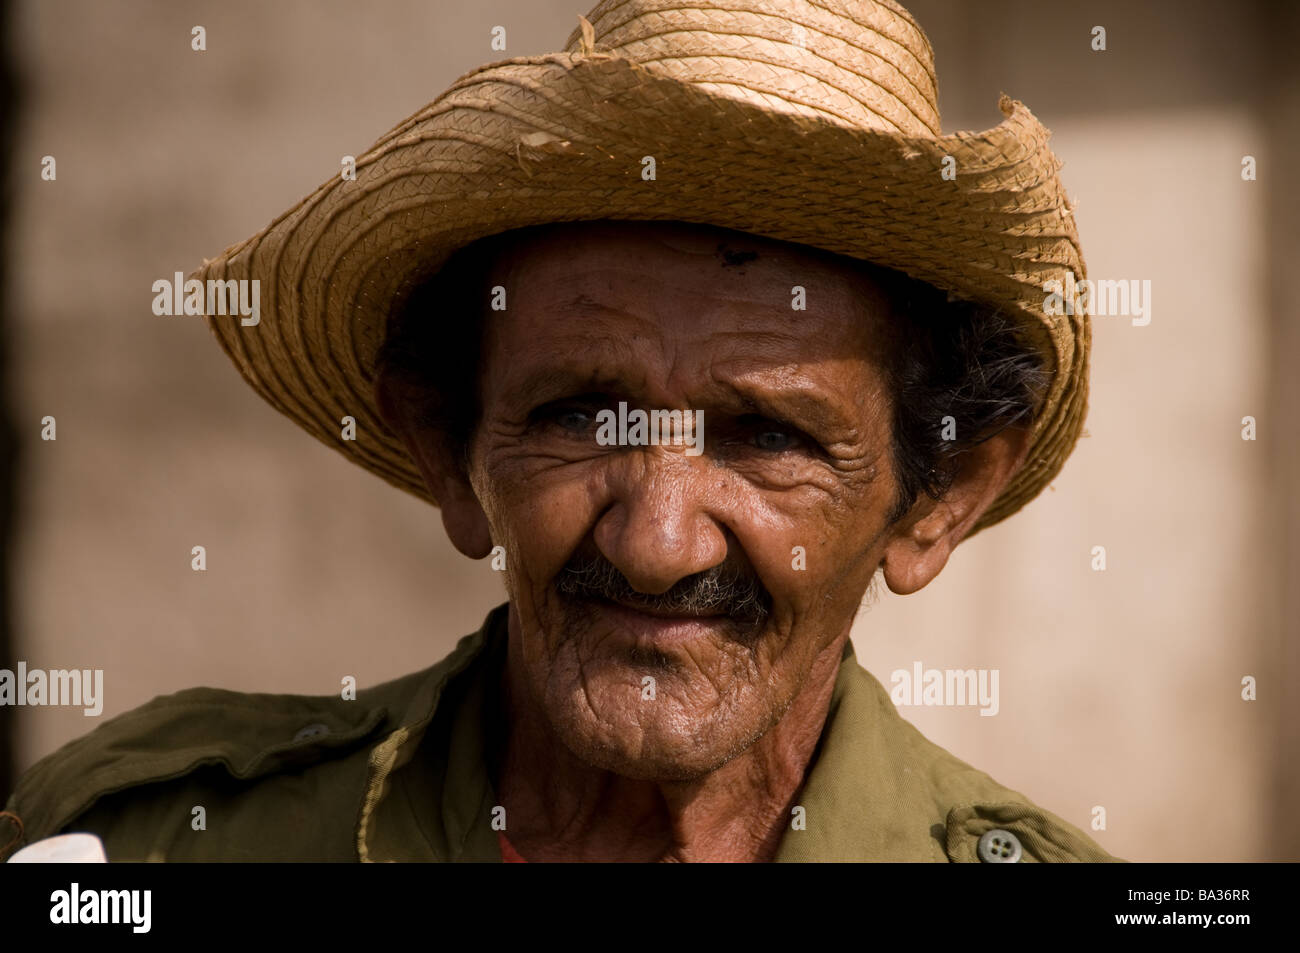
(999, 847)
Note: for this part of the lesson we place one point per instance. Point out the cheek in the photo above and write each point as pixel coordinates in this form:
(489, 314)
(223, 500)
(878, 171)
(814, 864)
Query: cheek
(815, 550)
(540, 521)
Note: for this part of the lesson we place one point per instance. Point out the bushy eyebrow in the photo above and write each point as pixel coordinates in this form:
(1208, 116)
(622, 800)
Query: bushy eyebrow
(795, 400)
(801, 403)
(552, 383)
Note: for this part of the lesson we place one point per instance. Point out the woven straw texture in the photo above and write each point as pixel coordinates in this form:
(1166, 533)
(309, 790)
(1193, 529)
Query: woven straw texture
(806, 122)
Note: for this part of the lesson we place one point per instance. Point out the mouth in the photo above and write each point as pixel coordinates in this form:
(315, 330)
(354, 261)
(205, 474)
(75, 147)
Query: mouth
(656, 626)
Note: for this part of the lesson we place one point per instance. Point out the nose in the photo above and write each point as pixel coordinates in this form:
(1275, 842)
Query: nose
(659, 528)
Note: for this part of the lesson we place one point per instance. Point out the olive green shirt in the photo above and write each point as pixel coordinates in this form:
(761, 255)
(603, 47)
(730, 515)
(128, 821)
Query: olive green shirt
(403, 773)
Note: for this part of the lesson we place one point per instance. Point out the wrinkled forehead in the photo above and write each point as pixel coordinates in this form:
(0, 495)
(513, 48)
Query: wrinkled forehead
(686, 294)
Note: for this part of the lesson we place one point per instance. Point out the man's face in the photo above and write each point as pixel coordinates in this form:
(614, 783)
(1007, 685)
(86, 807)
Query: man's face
(722, 574)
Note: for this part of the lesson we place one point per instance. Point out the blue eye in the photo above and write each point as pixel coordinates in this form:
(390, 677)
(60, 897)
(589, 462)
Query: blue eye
(773, 441)
(573, 420)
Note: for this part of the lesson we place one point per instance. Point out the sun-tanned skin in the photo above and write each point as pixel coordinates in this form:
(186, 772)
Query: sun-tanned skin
(796, 454)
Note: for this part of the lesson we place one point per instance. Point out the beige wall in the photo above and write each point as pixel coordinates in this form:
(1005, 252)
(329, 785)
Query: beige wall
(1118, 688)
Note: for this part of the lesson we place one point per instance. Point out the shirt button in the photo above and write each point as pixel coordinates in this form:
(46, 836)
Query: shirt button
(999, 847)
(312, 731)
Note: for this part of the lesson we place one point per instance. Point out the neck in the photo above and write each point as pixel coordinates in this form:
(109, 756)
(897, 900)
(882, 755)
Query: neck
(562, 809)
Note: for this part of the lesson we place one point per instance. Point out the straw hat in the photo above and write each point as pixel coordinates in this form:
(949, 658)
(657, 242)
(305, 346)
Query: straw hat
(810, 122)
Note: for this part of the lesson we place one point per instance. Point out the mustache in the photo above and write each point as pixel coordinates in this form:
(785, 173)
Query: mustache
(729, 588)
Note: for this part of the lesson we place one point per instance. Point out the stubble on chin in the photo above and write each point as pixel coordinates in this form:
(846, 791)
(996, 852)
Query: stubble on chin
(706, 709)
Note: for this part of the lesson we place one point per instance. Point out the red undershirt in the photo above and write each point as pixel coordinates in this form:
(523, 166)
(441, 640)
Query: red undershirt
(508, 853)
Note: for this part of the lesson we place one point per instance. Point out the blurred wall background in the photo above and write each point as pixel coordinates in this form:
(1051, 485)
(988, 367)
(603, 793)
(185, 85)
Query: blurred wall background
(1119, 689)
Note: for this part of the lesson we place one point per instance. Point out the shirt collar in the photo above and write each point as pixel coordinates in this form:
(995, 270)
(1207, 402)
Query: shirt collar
(448, 723)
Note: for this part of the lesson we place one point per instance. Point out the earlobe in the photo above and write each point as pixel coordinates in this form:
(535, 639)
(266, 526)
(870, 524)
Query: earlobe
(462, 516)
(465, 522)
(924, 542)
(919, 552)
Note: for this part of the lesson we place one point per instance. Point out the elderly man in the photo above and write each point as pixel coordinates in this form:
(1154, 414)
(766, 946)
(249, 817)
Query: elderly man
(694, 330)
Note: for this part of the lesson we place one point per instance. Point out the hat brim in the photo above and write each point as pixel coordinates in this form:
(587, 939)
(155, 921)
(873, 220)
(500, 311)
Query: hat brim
(562, 138)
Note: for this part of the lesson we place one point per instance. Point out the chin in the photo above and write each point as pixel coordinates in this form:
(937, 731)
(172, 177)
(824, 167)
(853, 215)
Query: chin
(613, 728)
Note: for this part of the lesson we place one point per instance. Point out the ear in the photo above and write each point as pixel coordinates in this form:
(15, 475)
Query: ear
(927, 536)
(440, 467)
